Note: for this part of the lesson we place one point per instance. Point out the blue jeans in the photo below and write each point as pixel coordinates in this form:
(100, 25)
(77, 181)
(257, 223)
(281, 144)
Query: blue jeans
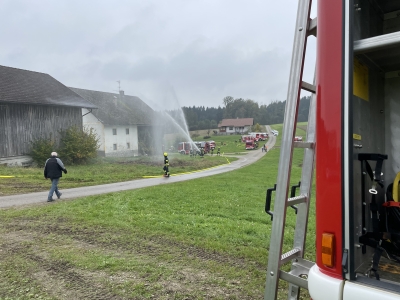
(54, 188)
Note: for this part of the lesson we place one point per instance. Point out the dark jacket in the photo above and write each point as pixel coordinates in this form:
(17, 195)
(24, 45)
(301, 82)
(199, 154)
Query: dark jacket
(53, 168)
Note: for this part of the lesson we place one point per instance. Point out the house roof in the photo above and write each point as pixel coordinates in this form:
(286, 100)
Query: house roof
(118, 109)
(28, 87)
(236, 122)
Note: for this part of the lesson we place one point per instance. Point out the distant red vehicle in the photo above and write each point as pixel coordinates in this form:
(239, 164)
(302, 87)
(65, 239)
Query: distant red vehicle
(212, 144)
(251, 144)
(184, 148)
(206, 146)
(246, 138)
(263, 136)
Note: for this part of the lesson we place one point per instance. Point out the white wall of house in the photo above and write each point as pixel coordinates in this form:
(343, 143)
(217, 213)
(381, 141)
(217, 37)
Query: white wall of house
(232, 129)
(90, 121)
(245, 129)
(121, 140)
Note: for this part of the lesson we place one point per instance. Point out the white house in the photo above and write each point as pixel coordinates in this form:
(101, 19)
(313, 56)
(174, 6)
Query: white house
(118, 121)
(231, 126)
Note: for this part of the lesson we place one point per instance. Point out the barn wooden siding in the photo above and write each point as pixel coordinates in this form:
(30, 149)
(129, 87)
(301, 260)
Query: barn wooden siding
(21, 124)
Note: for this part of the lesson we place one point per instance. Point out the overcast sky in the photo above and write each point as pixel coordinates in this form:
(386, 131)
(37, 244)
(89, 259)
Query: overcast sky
(167, 52)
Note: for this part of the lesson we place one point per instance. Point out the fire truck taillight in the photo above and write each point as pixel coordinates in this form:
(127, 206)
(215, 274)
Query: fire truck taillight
(328, 243)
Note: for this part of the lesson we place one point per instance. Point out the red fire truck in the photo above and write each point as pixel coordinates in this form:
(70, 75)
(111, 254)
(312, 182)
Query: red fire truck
(212, 144)
(244, 138)
(206, 146)
(263, 136)
(354, 135)
(251, 144)
(184, 148)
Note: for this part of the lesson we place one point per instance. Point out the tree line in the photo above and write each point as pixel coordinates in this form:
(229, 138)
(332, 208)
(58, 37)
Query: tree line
(200, 117)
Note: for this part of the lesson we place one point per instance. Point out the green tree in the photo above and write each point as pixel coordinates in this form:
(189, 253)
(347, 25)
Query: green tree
(227, 100)
(41, 149)
(257, 128)
(78, 145)
(240, 108)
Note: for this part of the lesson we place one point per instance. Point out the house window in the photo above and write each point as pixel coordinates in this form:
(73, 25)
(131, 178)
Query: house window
(114, 131)
(115, 146)
(127, 130)
(230, 127)
(128, 146)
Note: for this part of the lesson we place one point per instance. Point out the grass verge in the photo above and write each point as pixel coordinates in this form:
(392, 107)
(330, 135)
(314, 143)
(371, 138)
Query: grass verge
(102, 171)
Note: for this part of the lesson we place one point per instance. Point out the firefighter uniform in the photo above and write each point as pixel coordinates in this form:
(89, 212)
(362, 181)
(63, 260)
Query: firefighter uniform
(166, 165)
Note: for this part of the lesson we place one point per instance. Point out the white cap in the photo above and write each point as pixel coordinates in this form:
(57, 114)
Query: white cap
(54, 154)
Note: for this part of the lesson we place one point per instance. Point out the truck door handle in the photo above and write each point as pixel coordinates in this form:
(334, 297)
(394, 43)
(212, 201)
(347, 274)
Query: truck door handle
(268, 201)
(293, 194)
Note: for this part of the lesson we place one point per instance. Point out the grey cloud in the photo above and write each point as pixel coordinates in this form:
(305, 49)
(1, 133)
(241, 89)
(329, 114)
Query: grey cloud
(203, 50)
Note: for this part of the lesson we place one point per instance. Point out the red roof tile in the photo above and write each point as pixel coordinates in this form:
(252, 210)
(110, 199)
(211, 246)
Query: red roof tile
(236, 122)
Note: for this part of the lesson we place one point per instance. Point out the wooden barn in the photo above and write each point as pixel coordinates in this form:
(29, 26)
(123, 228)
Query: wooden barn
(33, 105)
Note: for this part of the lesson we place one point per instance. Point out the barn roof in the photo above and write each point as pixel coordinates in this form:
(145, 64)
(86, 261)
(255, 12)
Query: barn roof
(236, 122)
(118, 109)
(28, 87)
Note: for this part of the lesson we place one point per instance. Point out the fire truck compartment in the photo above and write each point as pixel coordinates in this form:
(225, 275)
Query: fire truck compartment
(374, 125)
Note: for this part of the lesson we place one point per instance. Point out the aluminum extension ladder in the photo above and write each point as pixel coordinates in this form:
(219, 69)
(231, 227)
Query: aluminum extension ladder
(300, 267)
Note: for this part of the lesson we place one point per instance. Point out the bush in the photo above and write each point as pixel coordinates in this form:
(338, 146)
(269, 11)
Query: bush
(78, 145)
(206, 137)
(41, 149)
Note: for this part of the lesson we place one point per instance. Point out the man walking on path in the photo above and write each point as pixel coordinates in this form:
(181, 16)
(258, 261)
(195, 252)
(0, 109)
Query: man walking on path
(53, 169)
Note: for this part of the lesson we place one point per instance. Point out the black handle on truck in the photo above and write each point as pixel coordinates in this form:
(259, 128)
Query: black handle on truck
(293, 194)
(268, 201)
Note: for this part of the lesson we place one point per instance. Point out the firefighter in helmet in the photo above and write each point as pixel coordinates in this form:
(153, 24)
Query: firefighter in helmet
(166, 165)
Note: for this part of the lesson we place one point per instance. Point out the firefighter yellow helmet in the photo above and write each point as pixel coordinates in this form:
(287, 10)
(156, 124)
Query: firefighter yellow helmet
(165, 154)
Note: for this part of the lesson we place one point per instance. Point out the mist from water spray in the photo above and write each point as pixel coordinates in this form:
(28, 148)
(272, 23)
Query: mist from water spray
(169, 102)
(184, 130)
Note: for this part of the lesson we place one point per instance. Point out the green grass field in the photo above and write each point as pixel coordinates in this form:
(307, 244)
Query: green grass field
(102, 171)
(200, 239)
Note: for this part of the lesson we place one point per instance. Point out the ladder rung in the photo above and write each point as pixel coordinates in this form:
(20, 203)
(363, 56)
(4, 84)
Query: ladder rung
(296, 200)
(301, 267)
(289, 255)
(312, 27)
(307, 145)
(308, 87)
(296, 280)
